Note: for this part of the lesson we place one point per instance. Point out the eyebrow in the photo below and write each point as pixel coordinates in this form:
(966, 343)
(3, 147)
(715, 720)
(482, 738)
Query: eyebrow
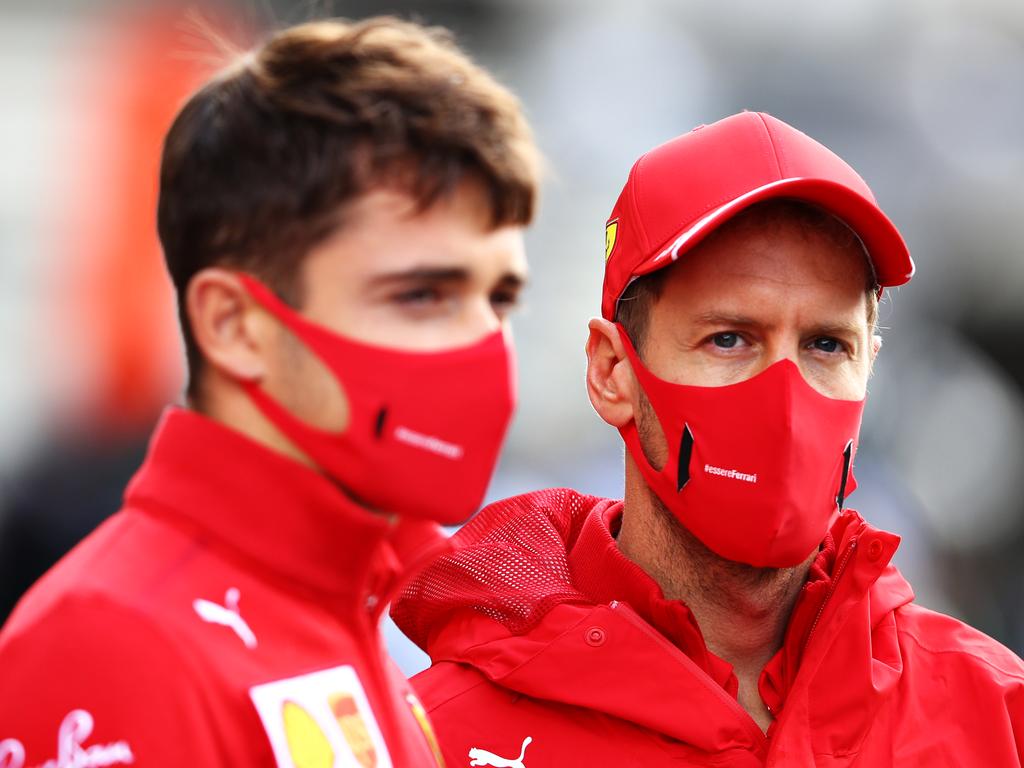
(512, 280)
(440, 275)
(839, 329)
(743, 321)
(422, 274)
(724, 318)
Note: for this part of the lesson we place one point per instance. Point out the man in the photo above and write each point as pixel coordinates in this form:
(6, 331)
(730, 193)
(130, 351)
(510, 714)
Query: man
(341, 213)
(730, 611)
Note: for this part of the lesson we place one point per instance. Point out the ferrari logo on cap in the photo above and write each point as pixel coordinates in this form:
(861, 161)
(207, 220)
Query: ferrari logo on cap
(611, 229)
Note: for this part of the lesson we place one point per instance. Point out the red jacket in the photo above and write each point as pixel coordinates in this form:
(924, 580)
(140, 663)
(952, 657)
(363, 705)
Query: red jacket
(547, 642)
(226, 616)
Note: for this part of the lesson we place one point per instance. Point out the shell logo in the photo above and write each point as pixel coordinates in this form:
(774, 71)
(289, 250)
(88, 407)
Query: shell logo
(320, 719)
(307, 744)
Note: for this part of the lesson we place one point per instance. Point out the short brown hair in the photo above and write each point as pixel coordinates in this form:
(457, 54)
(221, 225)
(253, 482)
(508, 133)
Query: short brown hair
(260, 163)
(633, 310)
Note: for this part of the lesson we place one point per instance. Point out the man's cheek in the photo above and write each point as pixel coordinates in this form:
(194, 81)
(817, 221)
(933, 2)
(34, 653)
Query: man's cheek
(652, 436)
(308, 388)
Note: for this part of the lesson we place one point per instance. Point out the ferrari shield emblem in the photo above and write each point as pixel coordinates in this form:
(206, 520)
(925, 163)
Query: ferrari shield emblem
(611, 230)
(346, 712)
(320, 720)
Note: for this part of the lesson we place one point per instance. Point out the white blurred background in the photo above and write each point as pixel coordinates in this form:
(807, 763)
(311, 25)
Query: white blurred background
(925, 99)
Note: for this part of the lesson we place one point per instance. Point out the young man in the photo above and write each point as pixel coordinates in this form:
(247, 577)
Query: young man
(730, 611)
(341, 214)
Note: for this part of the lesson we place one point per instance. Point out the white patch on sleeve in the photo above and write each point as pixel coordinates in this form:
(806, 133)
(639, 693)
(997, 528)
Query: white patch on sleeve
(321, 720)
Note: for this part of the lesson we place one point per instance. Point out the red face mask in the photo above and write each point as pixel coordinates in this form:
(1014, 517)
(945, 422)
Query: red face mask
(424, 428)
(755, 470)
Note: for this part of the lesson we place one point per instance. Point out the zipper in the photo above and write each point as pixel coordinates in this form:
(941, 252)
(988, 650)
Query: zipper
(847, 556)
(848, 553)
(387, 704)
(759, 738)
(391, 707)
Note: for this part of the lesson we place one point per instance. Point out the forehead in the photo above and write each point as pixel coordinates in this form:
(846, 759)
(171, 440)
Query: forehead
(770, 265)
(386, 231)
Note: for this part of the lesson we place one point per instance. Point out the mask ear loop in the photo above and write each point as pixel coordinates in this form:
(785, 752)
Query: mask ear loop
(847, 460)
(631, 434)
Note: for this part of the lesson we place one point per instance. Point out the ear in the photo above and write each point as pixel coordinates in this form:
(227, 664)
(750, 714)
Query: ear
(227, 324)
(876, 345)
(611, 384)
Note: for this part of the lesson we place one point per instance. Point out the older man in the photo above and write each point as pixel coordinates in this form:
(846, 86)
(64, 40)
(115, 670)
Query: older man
(729, 611)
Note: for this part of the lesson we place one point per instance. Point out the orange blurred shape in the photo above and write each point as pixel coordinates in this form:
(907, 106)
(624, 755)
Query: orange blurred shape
(116, 323)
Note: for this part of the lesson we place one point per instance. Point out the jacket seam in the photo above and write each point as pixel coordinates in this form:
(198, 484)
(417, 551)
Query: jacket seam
(547, 645)
(463, 691)
(1018, 676)
(592, 607)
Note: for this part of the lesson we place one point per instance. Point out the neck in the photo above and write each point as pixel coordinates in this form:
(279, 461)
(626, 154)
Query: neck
(742, 611)
(223, 400)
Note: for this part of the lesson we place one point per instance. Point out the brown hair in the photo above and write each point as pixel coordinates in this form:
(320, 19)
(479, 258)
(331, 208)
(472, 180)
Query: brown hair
(634, 306)
(260, 163)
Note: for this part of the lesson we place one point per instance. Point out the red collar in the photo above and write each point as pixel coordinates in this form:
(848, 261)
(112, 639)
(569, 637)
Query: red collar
(274, 512)
(602, 573)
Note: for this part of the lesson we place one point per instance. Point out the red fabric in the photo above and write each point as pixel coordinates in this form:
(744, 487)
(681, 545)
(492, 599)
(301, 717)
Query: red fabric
(404, 413)
(615, 675)
(115, 630)
(604, 574)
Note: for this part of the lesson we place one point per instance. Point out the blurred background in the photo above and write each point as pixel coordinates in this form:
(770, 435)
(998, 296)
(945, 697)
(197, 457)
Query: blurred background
(925, 99)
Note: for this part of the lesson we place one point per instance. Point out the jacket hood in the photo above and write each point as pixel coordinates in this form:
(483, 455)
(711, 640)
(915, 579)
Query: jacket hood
(511, 601)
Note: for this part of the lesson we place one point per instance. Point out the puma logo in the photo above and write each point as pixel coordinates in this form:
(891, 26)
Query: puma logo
(483, 757)
(227, 615)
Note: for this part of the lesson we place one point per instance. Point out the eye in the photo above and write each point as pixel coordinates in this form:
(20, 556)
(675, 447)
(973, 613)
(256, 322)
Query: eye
(504, 301)
(725, 340)
(827, 344)
(419, 296)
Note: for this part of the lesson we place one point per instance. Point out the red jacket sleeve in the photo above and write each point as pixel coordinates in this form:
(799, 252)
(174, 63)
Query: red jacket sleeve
(92, 677)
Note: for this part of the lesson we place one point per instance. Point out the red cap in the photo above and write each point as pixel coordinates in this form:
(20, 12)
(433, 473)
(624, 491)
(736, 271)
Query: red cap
(679, 192)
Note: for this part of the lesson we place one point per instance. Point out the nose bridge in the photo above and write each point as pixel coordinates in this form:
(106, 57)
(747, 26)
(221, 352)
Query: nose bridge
(781, 345)
(785, 345)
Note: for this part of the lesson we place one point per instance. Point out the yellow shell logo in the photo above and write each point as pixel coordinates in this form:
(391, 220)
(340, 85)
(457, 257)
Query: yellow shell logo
(307, 744)
(428, 730)
(611, 230)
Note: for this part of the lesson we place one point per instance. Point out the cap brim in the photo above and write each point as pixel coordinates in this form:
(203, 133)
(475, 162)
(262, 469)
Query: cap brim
(885, 246)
